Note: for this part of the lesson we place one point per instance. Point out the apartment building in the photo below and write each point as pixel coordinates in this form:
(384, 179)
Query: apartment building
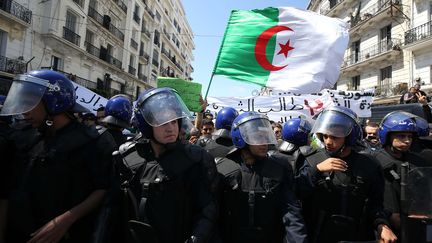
(109, 46)
(383, 52)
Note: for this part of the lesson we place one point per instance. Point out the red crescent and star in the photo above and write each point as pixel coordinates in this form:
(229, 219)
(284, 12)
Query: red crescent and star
(261, 44)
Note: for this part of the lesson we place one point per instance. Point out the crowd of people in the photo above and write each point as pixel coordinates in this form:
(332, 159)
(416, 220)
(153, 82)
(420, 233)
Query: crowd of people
(147, 173)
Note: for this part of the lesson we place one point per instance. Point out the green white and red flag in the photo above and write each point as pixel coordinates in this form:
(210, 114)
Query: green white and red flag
(283, 48)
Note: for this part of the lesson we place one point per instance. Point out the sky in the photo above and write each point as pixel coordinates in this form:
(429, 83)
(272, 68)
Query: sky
(208, 20)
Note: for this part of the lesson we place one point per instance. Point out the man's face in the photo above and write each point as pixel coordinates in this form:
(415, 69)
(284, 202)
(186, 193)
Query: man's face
(332, 143)
(401, 140)
(167, 133)
(417, 87)
(278, 132)
(207, 131)
(259, 151)
(37, 116)
(372, 134)
(100, 115)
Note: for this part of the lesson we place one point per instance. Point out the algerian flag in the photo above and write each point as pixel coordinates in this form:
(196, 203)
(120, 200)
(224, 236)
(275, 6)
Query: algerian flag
(283, 49)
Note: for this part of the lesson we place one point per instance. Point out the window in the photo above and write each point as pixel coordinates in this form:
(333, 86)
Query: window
(71, 21)
(384, 85)
(56, 63)
(385, 43)
(355, 82)
(3, 42)
(131, 60)
(89, 37)
(158, 16)
(355, 52)
(93, 4)
(156, 38)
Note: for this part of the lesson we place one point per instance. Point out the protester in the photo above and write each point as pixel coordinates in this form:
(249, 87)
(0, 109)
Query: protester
(258, 203)
(396, 134)
(277, 129)
(100, 114)
(371, 136)
(65, 174)
(342, 190)
(89, 119)
(176, 184)
(221, 142)
(207, 130)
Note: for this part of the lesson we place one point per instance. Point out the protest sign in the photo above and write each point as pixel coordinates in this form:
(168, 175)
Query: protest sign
(282, 106)
(189, 92)
(88, 99)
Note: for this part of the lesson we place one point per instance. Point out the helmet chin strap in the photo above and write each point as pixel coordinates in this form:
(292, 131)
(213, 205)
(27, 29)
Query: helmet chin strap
(337, 153)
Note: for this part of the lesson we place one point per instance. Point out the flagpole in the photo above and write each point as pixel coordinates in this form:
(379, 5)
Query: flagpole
(208, 87)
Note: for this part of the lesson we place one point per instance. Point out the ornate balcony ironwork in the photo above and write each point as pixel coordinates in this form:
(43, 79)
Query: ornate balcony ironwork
(420, 32)
(373, 10)
(105, 21)
(13, 66)
(92, 49)
(71, 36)
(142, 77)
(132, 70)
(16, 10)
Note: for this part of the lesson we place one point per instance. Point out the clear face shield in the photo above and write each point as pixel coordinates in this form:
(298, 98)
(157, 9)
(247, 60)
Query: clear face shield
(25, 93)
(163, 107)
(257, 132)
(333, 123)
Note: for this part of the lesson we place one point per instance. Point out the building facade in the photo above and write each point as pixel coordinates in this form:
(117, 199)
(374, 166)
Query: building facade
(384, 51)
(109, 46)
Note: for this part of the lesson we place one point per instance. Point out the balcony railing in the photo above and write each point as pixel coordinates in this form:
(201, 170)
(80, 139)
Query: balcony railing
(79, 2)
(387, 88)
(121, 4)
(71, 36)
(16, 10)
(79, 80)
(132, 70)
(92, 49)
(105, 22)
(13, 66)
(370, 52)
(155, 62)
(111, 60)
(136, 17)
(145, 31)
(134, 44)
(144, 54)
(142, 77)
(418, 33)
(149, 11)
(372, 11)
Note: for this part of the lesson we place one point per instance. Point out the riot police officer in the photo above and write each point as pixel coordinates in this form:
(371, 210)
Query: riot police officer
(118, 113)
(345, 198)
(396, 133)
(258, 203)
(175, 185)
(64, 175)
(295, 137)
(221, 143)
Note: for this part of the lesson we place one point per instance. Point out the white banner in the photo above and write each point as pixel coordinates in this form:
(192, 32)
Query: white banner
(88, 99)
(285, 105)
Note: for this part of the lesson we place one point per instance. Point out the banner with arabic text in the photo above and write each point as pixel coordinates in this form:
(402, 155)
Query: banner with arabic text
(282, 106)
(88, 99)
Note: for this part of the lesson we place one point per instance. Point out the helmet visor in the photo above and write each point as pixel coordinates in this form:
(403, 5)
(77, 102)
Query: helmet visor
(162, 108)
(333, 123)
(25, 93)
(257, 132)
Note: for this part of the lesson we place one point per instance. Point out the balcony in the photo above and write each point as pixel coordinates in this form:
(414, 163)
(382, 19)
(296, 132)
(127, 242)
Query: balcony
(149, 11)
(142, 77)
(419, 37)
(132, 70)
(144, 54)
(145, 31)
(79, 2)
(71, 36)
(91, 49)
(121, 4)
(377, 13)
(386, 50)
(105, 21)
(134, 44)
(335, 6)
(111, 60)
(17, 10)
(155, 62)
(136, 17)
(79, 80)
(386, 88)
(12, 66)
